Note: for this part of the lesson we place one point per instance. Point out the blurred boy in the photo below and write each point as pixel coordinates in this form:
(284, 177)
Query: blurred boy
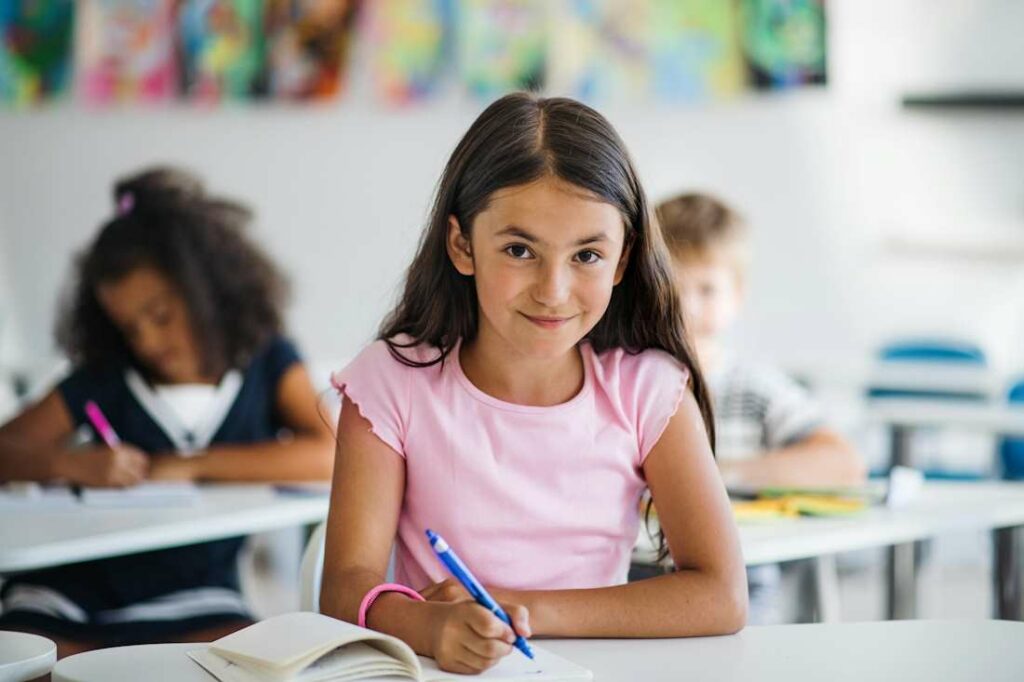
(769, 432)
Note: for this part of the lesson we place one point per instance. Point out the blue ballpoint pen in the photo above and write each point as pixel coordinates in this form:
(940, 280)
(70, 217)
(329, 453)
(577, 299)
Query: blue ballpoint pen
(458, 569)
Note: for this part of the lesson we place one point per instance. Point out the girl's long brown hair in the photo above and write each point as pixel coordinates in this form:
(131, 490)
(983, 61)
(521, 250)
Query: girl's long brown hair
(518, 139)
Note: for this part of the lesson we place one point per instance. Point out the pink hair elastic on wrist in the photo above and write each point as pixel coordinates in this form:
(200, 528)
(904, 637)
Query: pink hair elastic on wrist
(372, 595)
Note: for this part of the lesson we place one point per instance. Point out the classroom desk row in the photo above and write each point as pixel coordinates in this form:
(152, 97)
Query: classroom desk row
(911, 651)
(38, 538)
(31, 539)
(942, 507)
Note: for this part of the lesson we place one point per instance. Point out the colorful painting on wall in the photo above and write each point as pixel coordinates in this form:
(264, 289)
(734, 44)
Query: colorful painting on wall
(35, 49)
(601, 50)
(125, 51)
(411, 47)
(501, 45)
(222, 48)
(308, 47)
(785, 42)
(695, 50)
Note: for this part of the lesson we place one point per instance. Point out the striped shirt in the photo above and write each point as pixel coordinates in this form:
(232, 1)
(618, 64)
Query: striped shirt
(758, 408)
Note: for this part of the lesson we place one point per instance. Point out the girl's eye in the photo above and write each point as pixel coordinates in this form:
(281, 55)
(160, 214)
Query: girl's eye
(517, 251)
(162, 316)
(588, 257)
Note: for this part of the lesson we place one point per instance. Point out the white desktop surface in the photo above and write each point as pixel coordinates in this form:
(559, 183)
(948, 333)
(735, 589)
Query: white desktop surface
(36, 538)
(909, 651)
(942, 507)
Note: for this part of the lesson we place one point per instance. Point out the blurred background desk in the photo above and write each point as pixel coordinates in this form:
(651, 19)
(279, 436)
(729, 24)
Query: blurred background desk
(37, 538)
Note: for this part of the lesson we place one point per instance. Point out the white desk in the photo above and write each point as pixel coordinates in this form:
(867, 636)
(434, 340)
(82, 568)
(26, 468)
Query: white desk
(943, 507)
(31, 539)
(903, 416)
(910, 651)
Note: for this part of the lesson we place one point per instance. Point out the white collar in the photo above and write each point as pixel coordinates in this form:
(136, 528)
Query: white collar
(186, 442)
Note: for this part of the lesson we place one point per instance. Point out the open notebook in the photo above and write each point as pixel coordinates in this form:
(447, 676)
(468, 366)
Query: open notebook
(310, 647)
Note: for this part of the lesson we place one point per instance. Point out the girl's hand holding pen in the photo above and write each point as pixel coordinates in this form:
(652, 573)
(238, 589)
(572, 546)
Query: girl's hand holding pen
(467, 638)
(103, 466)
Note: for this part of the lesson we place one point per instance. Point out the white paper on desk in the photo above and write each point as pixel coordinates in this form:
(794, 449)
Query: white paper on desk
(515, 667)
(143, 495)
(905, 485)
(32, 496)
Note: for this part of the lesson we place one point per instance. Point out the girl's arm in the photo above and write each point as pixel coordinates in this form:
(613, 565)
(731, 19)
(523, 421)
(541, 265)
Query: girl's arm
(305, 456)
(366, 498)
(31, 449)
(707, 595)
(822, 459)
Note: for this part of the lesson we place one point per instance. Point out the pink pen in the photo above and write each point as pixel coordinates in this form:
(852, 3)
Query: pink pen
(103, 427)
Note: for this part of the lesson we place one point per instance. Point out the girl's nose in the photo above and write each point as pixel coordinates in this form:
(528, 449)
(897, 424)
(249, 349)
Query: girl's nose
(552, 287)
(147, 342)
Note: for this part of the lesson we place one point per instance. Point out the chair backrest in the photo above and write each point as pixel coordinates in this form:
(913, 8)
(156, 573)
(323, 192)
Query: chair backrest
(1011, 450)
(312, 569)
(933, 356)
(939, 370)
(933, 350)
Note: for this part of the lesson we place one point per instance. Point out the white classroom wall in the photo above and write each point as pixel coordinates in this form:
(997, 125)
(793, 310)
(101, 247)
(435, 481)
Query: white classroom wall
(829, 178)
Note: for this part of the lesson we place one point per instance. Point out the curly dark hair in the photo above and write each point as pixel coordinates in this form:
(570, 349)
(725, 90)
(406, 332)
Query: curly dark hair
(167, 221)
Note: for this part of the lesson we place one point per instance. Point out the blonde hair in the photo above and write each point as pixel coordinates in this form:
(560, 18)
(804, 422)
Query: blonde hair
(697, 225)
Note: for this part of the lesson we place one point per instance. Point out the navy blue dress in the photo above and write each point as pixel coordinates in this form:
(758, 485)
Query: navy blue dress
(152, 595)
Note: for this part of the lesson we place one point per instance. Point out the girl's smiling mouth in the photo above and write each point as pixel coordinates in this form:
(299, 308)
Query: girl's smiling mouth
(547, 322)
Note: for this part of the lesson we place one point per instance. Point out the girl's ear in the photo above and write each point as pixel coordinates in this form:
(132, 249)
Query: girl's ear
(459, 250)
(620, 269)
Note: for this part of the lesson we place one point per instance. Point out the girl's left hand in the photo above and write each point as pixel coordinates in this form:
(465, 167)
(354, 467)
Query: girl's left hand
(171, 467)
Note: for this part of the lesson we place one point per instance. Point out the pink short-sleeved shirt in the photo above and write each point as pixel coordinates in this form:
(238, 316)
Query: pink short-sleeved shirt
(530, 497)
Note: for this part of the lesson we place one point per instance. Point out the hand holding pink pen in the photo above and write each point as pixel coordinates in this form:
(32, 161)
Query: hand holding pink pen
(115, 465)
(102, 426)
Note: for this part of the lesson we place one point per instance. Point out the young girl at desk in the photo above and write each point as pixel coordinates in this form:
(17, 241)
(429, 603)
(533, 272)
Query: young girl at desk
(174, 329)
(532, 381)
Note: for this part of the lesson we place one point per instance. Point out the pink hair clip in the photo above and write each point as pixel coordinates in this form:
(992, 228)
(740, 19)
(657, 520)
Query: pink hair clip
(125, 203)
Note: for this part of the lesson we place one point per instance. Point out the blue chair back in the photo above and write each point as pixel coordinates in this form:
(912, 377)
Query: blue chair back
(1011, 450)
(938, 353)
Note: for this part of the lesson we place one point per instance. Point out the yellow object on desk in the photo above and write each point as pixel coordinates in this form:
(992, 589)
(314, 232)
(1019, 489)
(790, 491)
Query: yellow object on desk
(796, 505)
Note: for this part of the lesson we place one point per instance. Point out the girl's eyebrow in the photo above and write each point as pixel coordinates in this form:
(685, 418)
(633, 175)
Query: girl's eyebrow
(515, 231)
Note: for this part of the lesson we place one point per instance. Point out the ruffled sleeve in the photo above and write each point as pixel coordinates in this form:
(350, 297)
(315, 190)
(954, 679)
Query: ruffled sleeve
(652, 384)
(378, 384)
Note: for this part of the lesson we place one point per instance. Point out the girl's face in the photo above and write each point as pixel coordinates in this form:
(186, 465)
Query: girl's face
(154, 321)
(710, 289)
(545, 257)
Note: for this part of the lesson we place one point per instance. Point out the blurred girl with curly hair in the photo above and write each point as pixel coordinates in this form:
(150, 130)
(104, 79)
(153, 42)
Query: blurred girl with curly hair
(173, 327)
